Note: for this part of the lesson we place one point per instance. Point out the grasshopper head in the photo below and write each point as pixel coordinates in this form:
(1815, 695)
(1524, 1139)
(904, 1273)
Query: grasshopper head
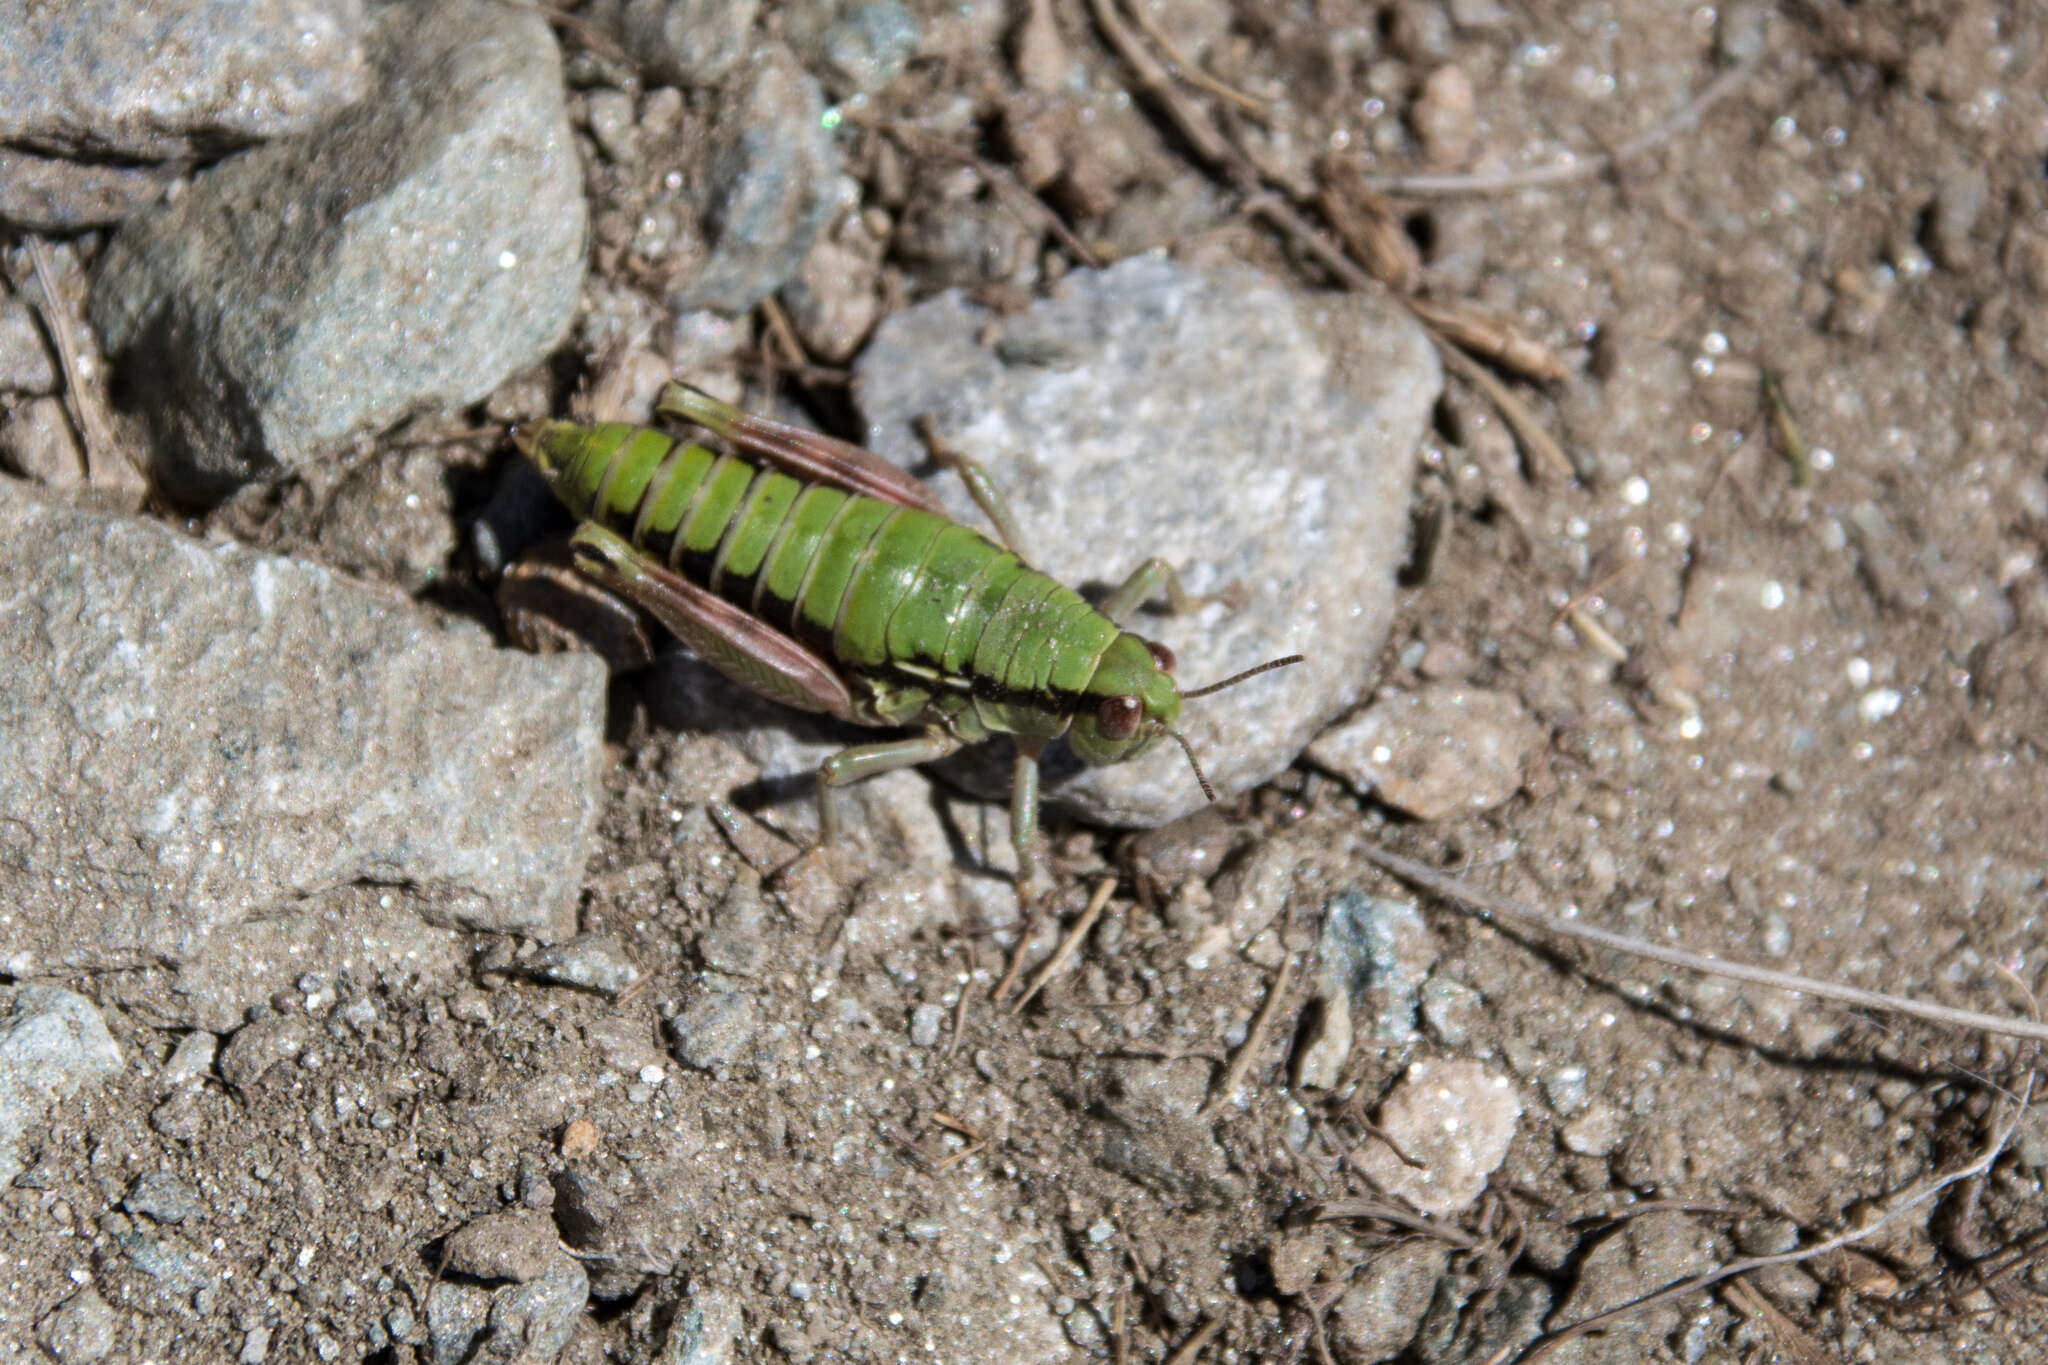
(1136, 701)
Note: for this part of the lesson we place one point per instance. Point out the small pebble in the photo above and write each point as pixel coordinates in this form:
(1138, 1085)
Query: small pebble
(515, 1245)
(1437, 752)
(590, 962)
(1457, 1119)
(927, 1025)
(580, 1140)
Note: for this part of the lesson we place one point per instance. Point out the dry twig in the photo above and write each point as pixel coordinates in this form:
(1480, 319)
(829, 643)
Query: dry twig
(1248, 1055)
(1070, 944)
(1192, 1347)
(1487, 903)
(1191, 73)
(1910, 1198)
(78, 402)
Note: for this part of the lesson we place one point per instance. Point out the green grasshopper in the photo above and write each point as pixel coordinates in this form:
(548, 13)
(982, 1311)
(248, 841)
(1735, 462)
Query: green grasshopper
(818, 574)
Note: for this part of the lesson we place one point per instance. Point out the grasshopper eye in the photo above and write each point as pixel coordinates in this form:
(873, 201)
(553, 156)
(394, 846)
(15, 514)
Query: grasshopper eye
(1161, 656)
(1119, 716)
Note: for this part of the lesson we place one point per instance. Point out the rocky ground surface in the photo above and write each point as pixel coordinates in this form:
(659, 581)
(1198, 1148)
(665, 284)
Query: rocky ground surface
(373, 989)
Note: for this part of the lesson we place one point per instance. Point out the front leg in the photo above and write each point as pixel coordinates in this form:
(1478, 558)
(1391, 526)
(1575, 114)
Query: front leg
(1032, 882)
(870, 760)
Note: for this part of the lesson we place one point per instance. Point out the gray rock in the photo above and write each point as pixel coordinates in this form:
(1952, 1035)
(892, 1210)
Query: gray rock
(1386, 952)
(1648, 1253)
(770, 187)
(353, 928)
(457, 1314)
(1436, 753)
(52, 194)
(179, 1274)
(534, 1321)
(191, 1061)
(204, 736)
(858, 46)
(1382, 1309)
(927, 1025)
(836, 298)
(390, 520)
(27, 364)
(1371, 960)
(79, 1330)
(105, 79)
(1261, 440)
(52, 1043)
(37, 443)
(412, 253)
(714, 1028)
(262, 1044)
(164, 1197)
(687, 42)
(1457, 1119)
(590, 962)
(518, 1246)
(706, 1325)
(1326, 1035)
(646, 1220)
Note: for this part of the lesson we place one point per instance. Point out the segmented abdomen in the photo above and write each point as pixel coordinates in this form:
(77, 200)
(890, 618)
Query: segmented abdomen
(867, 583)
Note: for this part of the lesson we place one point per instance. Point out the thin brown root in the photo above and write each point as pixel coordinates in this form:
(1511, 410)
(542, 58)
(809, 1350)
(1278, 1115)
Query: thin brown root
(1487, 903)
(1338, 1210)
(1906, 1200)
(1248, 1054)
(1191, 73)
(1585, 169)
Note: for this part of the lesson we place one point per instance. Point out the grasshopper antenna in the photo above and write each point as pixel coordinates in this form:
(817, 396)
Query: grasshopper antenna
(1188, 749)
(1231, 681)
(1236, 678)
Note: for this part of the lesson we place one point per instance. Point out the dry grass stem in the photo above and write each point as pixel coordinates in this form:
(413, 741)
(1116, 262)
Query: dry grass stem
(1545, 454)
(1188, 70)
(1792, 1341)
(1480, 900)
(78, 401)
(1070, 944)
(1192, 1347)
(1492, 338)
(1157, 85)
(1247, 1055)
(1596, 635)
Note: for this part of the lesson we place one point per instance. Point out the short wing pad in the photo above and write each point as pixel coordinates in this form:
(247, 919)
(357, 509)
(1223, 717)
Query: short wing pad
(806, 454)
(747, 650)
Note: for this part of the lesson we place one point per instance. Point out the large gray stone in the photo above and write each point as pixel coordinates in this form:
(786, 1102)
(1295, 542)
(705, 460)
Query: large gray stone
(199, 736)
(410, 254)
(105, 79)
(1260, 439)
